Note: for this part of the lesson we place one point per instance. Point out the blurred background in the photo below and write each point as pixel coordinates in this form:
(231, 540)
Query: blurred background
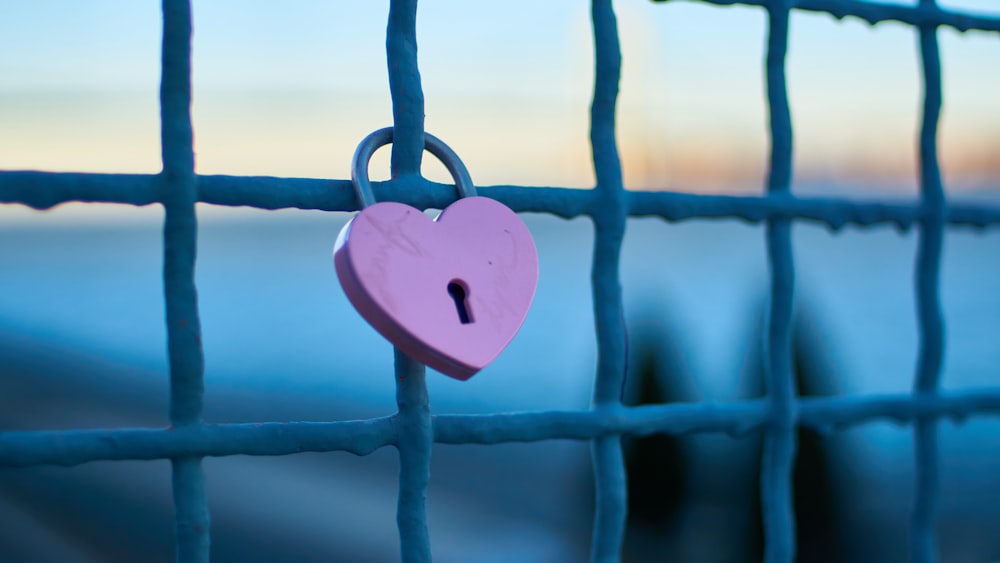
(289, 89)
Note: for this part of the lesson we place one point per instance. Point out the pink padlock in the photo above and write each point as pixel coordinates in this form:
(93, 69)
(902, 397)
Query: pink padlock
(450, 292)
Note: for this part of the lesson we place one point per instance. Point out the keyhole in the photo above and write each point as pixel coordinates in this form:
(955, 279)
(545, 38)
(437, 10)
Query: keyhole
(461, 297)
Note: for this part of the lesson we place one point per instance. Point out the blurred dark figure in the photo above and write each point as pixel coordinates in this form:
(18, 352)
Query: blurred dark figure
(816, 492)
(655, 464)
(697, 498)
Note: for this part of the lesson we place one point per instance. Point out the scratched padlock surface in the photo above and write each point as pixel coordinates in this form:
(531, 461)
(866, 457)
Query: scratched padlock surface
(450, 292)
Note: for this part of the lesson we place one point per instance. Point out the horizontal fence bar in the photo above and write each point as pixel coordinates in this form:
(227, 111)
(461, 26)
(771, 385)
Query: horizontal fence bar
(877, 12)
(362, 437)
(43, 190)
(73, 447)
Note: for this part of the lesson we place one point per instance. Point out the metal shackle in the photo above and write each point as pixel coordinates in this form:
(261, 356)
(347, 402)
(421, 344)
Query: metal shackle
(371, 143)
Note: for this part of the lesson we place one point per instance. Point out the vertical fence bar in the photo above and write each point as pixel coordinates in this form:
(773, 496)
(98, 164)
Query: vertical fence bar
(923, 541)
(180, 192)
(609, 212)
(405, 87)
(780, 440)
(415, 437)
(416, 433)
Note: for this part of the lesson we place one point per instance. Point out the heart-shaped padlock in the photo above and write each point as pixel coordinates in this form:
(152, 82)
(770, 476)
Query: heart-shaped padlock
(449, 292)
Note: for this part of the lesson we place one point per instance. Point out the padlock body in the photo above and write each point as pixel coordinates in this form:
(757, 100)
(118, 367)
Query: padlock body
(450, 292)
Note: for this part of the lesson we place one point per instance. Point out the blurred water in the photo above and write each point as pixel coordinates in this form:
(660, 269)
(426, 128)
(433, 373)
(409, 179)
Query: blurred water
(274, 315)
(276, 324)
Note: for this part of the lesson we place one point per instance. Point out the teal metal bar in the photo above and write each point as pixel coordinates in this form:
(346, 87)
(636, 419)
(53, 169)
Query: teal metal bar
(405, 87)
(874, 12)
(780, 439)
(362, 437)
(609, 212)
(43, 190)
(179, 195)
(930, 321)
(416, 435)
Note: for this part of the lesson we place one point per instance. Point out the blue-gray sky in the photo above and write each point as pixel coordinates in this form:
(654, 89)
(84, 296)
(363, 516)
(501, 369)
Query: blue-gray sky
(289, 88)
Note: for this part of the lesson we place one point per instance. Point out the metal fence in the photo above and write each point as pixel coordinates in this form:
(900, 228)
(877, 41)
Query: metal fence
(414, 428)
